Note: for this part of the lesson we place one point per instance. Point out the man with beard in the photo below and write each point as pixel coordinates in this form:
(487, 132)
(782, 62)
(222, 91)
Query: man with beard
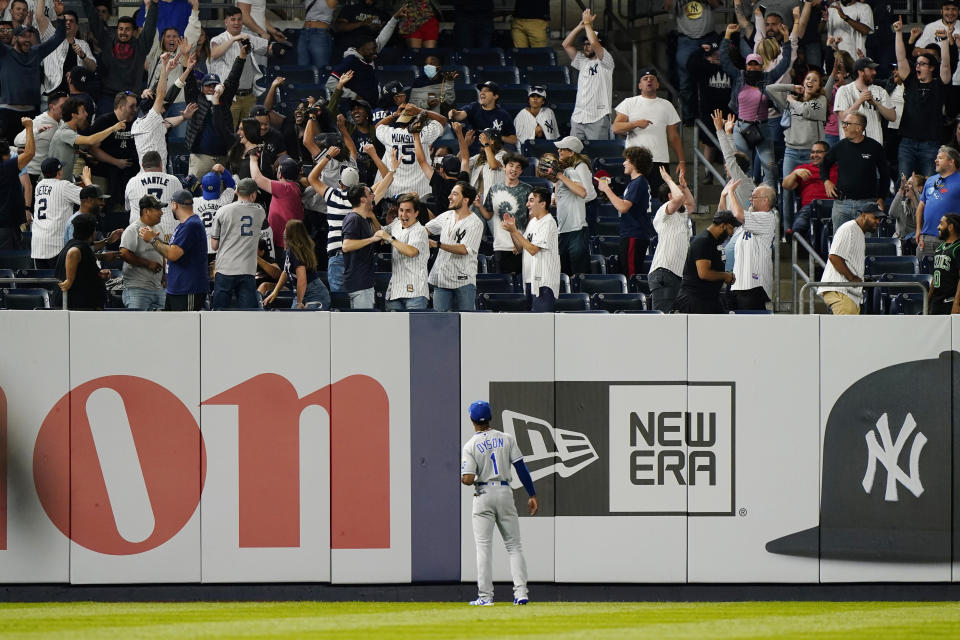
(929, 41)
(849, 23)
(121, 53)
(864, 97)
(591, 113)
(408, 177)
(703, 274)
(117, 154)
(19, 71)
(508, 199)
(847, 260)
(410, 246)
(945, 297)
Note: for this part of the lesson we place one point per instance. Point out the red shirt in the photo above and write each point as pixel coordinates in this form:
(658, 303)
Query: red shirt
(812, 188)
(285, 205)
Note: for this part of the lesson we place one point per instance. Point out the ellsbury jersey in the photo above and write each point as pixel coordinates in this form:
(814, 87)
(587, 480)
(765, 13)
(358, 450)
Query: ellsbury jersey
(489, 455)
(207, 210)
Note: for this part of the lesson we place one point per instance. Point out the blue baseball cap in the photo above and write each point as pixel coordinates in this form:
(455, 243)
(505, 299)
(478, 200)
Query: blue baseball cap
(480, 411)
(210, 186)
(210, 78)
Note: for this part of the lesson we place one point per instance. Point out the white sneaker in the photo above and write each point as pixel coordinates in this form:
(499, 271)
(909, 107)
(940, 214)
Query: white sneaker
(480, 602)
(523, 600)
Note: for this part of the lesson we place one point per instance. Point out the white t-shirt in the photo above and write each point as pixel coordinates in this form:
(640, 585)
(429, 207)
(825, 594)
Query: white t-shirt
(525, 124)
(542, 269)
(850, 38)
(929, 35)
(660, 113)
(849, 93)
(849, 244)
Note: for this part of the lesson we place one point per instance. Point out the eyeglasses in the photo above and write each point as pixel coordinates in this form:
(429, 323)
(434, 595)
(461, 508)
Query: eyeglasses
(921, 63)
(820, 151)
(850, 124)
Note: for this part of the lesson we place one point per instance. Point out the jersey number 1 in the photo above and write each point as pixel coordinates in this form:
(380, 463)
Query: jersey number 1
(493, 459)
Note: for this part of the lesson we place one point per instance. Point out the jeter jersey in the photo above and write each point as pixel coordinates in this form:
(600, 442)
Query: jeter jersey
(53, 202)
(207, 209)
(409, 177)
(161, 186)
(489, 455)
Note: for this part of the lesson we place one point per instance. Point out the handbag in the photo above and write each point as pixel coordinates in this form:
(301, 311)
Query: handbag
(752, 134)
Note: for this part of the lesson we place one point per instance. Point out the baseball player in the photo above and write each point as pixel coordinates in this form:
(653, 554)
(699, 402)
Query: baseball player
(408, 176)
(53, 201)
(153, 181)
(485, 464)
(218, 188)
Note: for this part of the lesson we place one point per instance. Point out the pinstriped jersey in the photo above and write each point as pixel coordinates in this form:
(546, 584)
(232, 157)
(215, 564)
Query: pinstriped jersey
(161, 186)
(450, 270)
(207, 209)
(542, 269)
(673, 233)
(489, 455)
(753, 255)
(53, 202)
(409, 277)
(409, 177)
(150, 134)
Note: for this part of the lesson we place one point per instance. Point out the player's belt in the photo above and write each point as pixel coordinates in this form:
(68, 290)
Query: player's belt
(502, 483)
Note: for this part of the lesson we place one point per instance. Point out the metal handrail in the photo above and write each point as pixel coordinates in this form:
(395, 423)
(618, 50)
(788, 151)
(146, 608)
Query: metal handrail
(796, 270)
(870, 285)
(698, 156)
(36, 280)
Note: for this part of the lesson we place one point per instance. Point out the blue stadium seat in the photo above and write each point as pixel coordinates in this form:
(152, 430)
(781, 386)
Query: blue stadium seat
(29, 276)
(398, 55)
(572, 302)
(592, 283)
(462, 69)
(537, 147)
(534, 181)
(639, 283)
(607, 227)
(546, 75)
(417, 56)
(883, 246)
(15, 259)
(464, 95)
(403, 73)
(879, 303)
(7, 273)
(495, 283)
(565, 284)
(505, 302)
(612, 165)
(877, 265)
(598, 264)
(617, 302)
(909, 304)
(514, 94)
(607, 210)
(296, 73)
(534, 57)
(26, 299)
(603, 148)
(502, 75)
(491, 57)
(562, 93)
(513, 108)
(607, 245)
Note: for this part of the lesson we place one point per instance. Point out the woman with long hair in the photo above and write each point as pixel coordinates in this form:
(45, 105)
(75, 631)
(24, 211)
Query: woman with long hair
(300, 270)
(486, 168)
(574, 188)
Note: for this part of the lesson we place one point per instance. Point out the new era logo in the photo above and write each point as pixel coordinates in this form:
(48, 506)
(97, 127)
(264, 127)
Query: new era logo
(560, 451)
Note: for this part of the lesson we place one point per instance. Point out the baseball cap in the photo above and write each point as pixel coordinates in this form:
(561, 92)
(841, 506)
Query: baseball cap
(150, 202)
(349, 177)
(360, 102)
(648, 71)
(210, 186)
(864, 63)
(537, 90)
(491, 133)
(571, 143)
(50, 166)
(289, 169)
(92, 191)
(258, 110)
(725, 216)
(489, 84)
(875, 209)
(210, 78)
(754, 57)
(247, 186)
(182, 197)
(450, 164)
(950, 2)
(480, 411)
(24, 29)
(405, 118)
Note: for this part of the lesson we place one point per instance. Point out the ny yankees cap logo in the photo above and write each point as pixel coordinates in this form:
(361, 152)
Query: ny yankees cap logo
(886, 477)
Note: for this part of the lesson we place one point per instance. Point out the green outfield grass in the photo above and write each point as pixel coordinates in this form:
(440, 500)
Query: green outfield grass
(447, 620)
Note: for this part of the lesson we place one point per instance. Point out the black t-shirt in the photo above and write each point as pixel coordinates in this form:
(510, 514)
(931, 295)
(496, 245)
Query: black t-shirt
(496, 118)
(946, 272)
(120, 145)
(365, 165)
(703, 247)
(862, 162)
(440, 188)
(538, 9)
(273, 146)
(359, 13)
(357, 265)
(12, 213)
(923, 108)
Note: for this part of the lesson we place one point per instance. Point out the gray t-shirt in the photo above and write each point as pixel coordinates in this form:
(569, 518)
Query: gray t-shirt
(237, 227)
(135, 276)
(694, 18)
(61, 148)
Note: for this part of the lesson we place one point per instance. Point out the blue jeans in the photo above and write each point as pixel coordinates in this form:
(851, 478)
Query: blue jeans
(916, 155)
(792, 158)
(686, 47)
(831, 139)
(234, 292)
(763, 150)
(403, 304)
(362, 299)
(460, 299)
(846, 210)
(335, 273)
(317, 293)
(144, 299)
(314, 47)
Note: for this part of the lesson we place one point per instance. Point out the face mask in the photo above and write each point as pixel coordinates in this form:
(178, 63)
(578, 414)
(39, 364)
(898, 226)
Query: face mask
(430, 70)
(753, 78)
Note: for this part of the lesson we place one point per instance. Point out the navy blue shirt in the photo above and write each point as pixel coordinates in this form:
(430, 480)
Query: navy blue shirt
(189, 274)
(364, 81)
(290, 266)
(496, 118)
(357, 265)
(637, 222)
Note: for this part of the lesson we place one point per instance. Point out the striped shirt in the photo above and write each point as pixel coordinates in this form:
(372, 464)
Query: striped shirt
(161, 186)
(53, 63)
(451, 270)
(41, 141)
(483, 177)
(753, 255)
(53, 202)
(207, 209)
(409, 177)
(525, 124)
(594, 87)
(673, 233)
(150, 134)
(337, 209)
(542, 269)
(849, 244)
(409, 279)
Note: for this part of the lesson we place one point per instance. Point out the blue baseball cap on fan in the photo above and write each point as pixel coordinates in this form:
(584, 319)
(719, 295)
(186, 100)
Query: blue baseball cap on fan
(480, 411)
(210, 186)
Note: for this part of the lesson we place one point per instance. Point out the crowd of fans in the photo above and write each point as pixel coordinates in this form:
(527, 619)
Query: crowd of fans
(225, 187)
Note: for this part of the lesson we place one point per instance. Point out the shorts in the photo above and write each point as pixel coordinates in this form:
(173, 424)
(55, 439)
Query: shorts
(429, 30)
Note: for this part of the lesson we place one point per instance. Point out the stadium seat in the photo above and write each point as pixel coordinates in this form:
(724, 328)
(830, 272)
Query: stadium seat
(29, 277)
(464, 95)
(565, 284)
(398, 55)
(879, 302)
(603, 148)
(607, 245)
(612, 165)
(339, 300)
(533, 181)
(294, 92)
(417, 56)
(563, 112)
(908, 304)
(572, 302)
(546, 75)
(464, 72)
(513, 108)
(537, 147)
(15, 259)
(598, 264)
(592, 283)
(562, 93)
(607, 210)
(877, 265)
(505, 302)
(26, 299)
(4, 274)
(883, 247)
(500, 74)
(514, 94)
(296, 73)
(608, 227)
(495, 283)
(533, 57)
(402, 73)
(491, 57)
(616, 302)
(639, 284)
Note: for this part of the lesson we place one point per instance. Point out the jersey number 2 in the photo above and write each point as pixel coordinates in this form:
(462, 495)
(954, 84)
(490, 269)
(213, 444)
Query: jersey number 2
(245, 223)
(42, 209)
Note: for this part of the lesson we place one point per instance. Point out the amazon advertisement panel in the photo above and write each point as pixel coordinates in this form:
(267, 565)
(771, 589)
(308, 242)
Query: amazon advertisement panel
(136, 453)
(886, 451)
(34, 447)
(265, 510)
(775, 464)
(621, 403)
(509, 359)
